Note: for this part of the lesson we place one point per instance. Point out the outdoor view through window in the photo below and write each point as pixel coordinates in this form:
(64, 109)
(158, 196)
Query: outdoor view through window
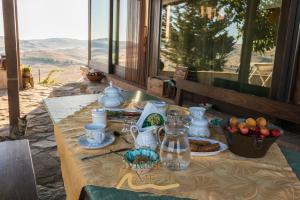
(53, 38)
(206, 36)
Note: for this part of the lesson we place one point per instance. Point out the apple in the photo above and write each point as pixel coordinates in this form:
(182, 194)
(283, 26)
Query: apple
(232, 129)
(244, 130)
(276, 133)
(265, 132)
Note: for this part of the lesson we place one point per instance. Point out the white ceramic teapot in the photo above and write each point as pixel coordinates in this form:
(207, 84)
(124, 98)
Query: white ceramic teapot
(111, 97)
(199, 123)
(144, 138)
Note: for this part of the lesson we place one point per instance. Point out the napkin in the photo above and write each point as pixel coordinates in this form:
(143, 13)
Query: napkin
(149, 110)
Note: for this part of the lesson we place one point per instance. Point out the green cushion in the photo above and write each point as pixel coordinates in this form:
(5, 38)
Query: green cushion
(96, 193)
(293, 159)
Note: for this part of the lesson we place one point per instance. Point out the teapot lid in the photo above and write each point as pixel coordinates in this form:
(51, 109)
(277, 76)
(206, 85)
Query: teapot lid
(111, 89)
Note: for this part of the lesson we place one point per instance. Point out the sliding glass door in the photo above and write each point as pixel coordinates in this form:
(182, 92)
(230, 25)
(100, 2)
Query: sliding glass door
(99, 34)
(125, 24)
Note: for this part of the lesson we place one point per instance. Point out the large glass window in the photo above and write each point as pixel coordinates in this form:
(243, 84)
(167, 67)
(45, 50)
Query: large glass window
(120, 32)
(221, 41)
(100, 34)
(130, 39)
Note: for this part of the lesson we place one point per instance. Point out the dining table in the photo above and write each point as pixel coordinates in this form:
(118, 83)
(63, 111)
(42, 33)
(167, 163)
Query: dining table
(102, 174)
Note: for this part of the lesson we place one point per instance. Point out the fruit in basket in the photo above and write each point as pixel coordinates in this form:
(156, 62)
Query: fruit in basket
(232, 129)
(242, 125)
(265, 132)
(244, 130)
(276, 133)
(251, 123)
(233, 122)
(251, 127)
(261, 122)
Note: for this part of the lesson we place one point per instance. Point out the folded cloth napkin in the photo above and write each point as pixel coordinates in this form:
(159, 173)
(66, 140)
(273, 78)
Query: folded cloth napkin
(151, 116)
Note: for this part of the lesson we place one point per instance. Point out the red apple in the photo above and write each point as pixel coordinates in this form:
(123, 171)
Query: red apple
(276, 133)
(232, 129)
(265, 132)
(244, 130)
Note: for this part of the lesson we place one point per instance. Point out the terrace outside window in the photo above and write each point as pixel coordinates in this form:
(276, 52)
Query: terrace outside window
(225, 43)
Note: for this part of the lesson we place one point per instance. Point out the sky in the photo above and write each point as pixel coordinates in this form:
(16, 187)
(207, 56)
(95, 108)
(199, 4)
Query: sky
(40, 19)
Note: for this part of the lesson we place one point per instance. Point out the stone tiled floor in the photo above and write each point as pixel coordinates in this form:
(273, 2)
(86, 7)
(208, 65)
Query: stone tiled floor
(40, 133)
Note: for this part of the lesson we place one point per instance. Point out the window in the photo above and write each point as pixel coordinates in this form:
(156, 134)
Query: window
(99, 28)
(223, 43)
(130, 28)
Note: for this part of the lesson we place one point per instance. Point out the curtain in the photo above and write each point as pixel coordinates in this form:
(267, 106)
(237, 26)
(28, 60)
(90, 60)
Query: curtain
(136, 39)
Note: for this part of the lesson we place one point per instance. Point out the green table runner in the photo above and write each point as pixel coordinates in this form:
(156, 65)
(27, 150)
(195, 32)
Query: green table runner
(96, 193)
(293, 159)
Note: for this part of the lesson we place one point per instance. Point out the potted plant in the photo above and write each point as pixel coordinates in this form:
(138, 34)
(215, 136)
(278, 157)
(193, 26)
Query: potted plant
(26, 71)
(27, 77)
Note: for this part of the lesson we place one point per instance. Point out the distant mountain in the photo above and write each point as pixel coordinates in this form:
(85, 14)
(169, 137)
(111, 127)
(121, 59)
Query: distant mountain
(52, 51)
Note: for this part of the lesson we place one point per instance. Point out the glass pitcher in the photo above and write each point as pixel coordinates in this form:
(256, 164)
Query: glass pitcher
(175, 151)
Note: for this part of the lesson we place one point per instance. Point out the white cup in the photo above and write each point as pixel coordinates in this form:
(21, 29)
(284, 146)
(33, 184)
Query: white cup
(95, 133)
(99, 116)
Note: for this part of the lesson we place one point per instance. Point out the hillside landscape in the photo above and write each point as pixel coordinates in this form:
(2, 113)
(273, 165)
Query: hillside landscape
(64, 55)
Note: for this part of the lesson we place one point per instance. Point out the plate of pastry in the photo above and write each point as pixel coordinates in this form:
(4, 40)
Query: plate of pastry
(205, 147)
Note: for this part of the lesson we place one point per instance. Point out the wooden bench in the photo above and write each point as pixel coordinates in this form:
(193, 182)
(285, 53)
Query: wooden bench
(17, 179)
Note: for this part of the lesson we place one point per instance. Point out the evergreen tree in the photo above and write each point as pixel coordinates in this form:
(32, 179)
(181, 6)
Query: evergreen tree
(197, 41)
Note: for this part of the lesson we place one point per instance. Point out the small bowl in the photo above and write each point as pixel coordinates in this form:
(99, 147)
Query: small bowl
(143, 167)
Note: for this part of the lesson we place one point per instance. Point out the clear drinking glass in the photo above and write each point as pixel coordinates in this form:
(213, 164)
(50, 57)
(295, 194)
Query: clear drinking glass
(175, 151)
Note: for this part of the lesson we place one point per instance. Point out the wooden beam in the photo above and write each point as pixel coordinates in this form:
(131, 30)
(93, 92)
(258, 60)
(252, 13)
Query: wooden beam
(110, 40)
(12, 56)
(89, 31)
(153, 56)
(280, 110)
(248, 37)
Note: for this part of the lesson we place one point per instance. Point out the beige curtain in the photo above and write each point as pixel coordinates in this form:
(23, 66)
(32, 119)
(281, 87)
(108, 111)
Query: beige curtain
(135, 45)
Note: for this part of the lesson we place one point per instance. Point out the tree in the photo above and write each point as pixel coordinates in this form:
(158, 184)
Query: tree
(202, 43)
(266, 21)
(197, 41)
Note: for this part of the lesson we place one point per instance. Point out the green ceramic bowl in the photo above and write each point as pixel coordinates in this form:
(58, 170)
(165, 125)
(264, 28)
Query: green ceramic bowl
(142, 167)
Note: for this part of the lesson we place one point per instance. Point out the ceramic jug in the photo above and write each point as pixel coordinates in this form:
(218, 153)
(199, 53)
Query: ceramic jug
(199, 123)
(144, 138)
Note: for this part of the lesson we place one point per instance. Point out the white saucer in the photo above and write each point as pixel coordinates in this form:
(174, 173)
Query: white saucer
(223, 147)
(109, 139)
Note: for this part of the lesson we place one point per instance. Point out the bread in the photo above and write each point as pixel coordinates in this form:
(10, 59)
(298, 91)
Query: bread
(203, 146)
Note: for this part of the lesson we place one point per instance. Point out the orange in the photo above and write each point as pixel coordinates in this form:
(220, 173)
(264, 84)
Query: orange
(233, 122)
(261, 122)
(250, 122)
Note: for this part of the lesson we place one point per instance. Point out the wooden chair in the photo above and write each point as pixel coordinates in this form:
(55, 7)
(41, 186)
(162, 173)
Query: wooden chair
(17, 179)
(166, 86)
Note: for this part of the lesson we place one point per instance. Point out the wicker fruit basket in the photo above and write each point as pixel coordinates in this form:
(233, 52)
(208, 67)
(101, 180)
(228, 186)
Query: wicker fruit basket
(95, 76)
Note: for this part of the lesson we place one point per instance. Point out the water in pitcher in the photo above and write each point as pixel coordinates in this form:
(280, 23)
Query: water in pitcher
(175, 151)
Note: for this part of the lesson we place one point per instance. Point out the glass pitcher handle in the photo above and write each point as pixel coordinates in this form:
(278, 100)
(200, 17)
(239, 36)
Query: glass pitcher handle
(159, 130)
(134, 130)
